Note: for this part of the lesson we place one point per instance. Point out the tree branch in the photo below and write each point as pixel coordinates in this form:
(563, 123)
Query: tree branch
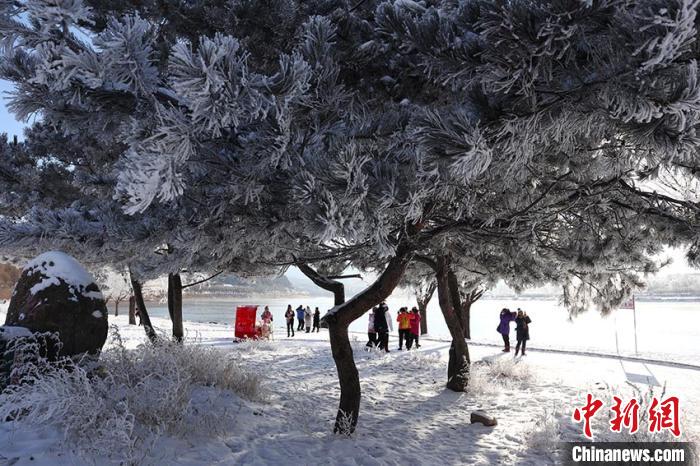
(202, 281)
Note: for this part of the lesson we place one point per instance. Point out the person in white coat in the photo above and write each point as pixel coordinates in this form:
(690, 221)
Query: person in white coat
(308, 315)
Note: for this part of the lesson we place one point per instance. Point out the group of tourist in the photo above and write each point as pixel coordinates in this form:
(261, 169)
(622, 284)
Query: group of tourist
(311, 321)
(522, 329)
(380, 324)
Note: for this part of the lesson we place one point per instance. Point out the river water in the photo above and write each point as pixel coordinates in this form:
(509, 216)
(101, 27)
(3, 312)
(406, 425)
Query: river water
(666, 329)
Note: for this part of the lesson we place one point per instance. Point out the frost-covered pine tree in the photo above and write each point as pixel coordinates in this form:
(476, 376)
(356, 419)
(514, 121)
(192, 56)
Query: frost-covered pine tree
(521, 135)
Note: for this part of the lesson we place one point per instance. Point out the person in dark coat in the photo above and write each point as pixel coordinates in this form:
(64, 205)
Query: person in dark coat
(300, 317)
(317, 321)
(381, 326)
(289, 317)
(522, 331)
(371, 333)
(504, 327)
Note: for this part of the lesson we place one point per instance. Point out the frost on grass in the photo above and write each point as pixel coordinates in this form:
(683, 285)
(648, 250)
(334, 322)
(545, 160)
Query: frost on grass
(489, 377)
(132, 397)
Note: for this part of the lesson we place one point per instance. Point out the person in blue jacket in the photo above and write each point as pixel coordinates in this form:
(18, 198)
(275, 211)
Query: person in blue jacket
(504, 327)
(300, 317)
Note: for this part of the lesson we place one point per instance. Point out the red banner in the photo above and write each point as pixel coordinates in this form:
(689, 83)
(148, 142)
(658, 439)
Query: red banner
(245, 321)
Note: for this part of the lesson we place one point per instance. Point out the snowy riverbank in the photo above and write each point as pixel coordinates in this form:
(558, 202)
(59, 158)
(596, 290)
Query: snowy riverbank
(407, 417)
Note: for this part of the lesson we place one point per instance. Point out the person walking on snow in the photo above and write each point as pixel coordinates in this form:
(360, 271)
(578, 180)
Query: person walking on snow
(522, 331)
(504, 327)
(307, 318)
(414, 329)
(317, 321)
(300, 317)
(371, 333)
(404, 320)
(289, 316)
(382, 325)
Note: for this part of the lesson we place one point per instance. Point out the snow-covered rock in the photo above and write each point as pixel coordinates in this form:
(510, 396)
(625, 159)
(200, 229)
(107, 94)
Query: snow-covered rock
(56, 294)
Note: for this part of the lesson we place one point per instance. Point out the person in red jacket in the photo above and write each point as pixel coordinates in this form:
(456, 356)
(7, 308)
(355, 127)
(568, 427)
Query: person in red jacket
(414, 331)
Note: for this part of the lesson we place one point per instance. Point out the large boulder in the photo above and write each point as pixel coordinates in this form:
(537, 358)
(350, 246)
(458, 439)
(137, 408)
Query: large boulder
(56, 294)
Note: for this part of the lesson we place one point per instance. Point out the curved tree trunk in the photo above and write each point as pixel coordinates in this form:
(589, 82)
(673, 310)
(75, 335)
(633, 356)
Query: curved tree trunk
(458, 365)
(141, 304)
(175, 305)
(339, 319)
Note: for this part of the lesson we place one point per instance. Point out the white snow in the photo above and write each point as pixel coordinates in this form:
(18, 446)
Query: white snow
(94, 294)
(55, 266)
(407, 417)
(47, 282)
(97, 314)
(8, 332)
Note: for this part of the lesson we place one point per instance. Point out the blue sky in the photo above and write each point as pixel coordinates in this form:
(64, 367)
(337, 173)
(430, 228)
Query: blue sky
(8, 124)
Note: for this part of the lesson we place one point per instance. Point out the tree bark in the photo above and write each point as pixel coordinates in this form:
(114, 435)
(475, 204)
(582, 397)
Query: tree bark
(339, 319)
(141, 304)
(175, 305)
(469, 299)
(458, 365)
(116, 308)
(327, 283)
(348, 377)
(132, 310)
(423, 297)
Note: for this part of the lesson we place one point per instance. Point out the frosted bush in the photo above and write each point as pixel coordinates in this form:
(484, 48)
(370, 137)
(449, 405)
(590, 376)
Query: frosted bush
(253, 346)
(546, 434)
(422, 360)
(132, 396)
(489, 377)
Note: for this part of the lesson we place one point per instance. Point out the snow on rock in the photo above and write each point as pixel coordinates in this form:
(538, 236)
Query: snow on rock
(9, 332)
(56, 294)
(56, 266)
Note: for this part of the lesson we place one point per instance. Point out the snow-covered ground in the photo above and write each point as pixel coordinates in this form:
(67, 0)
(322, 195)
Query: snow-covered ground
(407, 417)
(666, 329)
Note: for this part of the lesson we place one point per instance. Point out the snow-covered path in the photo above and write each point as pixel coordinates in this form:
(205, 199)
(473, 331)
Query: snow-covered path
(407, 417)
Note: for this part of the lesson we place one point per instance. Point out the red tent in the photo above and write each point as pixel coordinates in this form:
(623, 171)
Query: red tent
(245, 321)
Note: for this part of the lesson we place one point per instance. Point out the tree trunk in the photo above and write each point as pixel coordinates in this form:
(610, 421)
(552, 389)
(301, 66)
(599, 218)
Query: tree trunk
(175, 305)
(339, 319)
(141, 304)
(116, 308)
(348, 377)
(458, 365)
(132, 310)
(466, 318)
(423, 297)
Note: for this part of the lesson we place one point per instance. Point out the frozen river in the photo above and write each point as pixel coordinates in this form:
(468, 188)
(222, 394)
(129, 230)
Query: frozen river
(666, 329)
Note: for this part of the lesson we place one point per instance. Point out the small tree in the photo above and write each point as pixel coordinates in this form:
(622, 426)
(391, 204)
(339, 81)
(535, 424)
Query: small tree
(114, 285)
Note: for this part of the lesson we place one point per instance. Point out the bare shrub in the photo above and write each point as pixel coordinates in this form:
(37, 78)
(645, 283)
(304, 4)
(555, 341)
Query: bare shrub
(489, 377)
(132, 396)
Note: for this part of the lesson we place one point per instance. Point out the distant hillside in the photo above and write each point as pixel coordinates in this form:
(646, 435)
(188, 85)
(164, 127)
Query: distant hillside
(682, 285)
(9, 275)
(232, 285)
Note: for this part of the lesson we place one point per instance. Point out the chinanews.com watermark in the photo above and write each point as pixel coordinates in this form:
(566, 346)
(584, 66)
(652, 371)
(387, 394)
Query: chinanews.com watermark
(630, 453)
(656, 415)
